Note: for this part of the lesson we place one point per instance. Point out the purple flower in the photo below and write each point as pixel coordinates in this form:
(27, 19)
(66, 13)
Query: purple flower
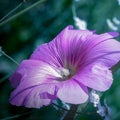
(65, 68)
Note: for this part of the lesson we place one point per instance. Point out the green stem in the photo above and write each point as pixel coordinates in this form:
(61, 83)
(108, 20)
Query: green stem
(16, 116)
(3, 53)
(8, 14)
(73, 9)
(21, 12)
(71, 113)
(4, 78)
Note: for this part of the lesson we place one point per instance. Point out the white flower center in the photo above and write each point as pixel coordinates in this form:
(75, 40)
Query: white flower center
(64, 72)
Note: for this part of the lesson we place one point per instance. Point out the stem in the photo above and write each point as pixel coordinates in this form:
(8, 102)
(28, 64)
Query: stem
(73, 9)
(71, 113)
(60, 107)
(21, 12)
(16, 116)
(11, 12)
(4, 78)
(9, 57)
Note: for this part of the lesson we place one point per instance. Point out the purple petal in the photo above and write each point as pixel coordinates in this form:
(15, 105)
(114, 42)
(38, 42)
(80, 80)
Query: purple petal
(33, 72)
(65, 48)
(95, 76)
(107, 52)
(72, 92)
(37, 79)
(48, 55)
(102, 48)
(78, 47)
(31, 97)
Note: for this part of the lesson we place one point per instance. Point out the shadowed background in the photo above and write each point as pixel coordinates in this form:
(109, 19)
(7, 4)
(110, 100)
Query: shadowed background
(41, 24)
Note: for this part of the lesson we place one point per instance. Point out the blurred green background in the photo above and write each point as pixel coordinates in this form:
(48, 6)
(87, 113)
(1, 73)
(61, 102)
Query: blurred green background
(41, 24)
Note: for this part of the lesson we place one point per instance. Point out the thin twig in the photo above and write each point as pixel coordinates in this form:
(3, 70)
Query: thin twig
(16, 116)
(60, 107)
(13, 10)
(4, 78)
(71, 113)
(74, 10)
(21, 12)
(3, 53)
(80, 113)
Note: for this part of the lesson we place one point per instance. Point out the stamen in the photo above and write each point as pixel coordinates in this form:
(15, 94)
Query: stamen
(64, 72)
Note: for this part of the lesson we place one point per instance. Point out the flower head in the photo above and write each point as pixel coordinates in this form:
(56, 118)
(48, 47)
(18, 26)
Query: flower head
(65, 68)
